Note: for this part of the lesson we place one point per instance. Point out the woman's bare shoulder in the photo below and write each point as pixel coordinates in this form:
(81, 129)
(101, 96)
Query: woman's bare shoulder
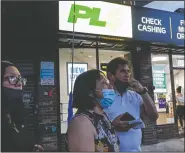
(81, 123)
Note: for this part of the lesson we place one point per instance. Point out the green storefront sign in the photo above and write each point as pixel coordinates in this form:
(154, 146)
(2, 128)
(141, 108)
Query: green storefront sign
(90, 13)
(159, 77)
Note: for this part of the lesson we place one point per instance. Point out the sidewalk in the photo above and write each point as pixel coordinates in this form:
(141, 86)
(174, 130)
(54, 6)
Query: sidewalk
(166, 145)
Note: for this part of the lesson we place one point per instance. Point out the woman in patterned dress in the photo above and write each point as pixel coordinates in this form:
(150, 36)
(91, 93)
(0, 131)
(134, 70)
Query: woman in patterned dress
(90, 129)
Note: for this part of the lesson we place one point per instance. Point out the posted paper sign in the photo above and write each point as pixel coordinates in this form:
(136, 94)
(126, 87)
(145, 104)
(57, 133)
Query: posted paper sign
(159, 78)
(104, 68)
(162, 100)
(47, 73)
(78, 68)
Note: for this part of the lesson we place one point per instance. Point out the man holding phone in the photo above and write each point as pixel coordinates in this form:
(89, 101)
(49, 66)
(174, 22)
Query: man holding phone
(125, 113)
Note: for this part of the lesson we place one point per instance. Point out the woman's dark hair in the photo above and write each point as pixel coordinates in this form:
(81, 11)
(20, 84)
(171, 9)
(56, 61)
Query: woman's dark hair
(84, 88)
(113, 64)
(179, 89)
(4, 65)
(5, 106)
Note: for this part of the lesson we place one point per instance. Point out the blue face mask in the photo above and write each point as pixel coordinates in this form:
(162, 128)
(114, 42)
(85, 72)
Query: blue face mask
(108, 98)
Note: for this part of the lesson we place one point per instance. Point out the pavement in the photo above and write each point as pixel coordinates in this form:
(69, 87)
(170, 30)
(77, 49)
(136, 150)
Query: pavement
(176, 145)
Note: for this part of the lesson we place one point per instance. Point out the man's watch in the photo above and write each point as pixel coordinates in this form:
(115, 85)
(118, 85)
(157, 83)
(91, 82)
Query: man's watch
(145, 90)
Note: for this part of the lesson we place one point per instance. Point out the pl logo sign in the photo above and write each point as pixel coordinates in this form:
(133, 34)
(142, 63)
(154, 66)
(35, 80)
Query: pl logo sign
(85, 12)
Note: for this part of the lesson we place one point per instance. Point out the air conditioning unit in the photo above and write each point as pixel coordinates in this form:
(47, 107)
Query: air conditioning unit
(179, 10)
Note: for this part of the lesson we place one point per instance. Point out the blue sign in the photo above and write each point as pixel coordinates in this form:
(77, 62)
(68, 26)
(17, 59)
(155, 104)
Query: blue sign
(162, 102)
(47, 73)
(157, 26)
(178, 25)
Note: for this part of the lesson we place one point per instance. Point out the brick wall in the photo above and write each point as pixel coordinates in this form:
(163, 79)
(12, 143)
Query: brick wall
(48, 118)
(167, 131)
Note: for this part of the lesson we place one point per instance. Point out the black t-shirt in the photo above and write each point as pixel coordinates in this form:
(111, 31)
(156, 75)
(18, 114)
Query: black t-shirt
(13, 140)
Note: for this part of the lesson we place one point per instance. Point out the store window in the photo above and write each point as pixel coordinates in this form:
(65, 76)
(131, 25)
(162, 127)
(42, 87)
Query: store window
(178, 61)
(163, 91)
(179, 78)
(178, 73)
(105, 56)
(84, 59)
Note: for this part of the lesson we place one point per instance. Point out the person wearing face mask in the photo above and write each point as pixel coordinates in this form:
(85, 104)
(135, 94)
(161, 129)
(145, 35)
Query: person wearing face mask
(14, 136)
(134, 103)
(90, 129)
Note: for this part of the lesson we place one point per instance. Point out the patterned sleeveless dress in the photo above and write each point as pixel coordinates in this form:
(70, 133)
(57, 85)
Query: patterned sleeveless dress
(106, 139)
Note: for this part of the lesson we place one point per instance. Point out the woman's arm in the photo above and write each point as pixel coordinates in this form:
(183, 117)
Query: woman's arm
(81, 133)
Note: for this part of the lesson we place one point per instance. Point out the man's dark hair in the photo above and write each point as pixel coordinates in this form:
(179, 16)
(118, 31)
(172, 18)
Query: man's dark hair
(179, 89)
(84, 88)
(113, 64)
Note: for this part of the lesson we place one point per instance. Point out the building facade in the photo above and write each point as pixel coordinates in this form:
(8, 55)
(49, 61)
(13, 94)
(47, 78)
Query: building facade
(41, 45)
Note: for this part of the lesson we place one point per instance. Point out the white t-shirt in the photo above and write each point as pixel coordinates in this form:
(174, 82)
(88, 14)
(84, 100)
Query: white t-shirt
(180, 99)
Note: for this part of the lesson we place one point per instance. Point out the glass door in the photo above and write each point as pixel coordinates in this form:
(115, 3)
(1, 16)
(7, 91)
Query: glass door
(163, 91)
(178, 73)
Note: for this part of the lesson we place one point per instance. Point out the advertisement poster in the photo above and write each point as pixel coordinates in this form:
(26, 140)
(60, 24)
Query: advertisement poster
(162, 100)
(159, 78)
(47, 73)
(78, 68)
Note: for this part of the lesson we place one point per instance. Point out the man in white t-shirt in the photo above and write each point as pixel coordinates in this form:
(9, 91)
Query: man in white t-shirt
(134, 102)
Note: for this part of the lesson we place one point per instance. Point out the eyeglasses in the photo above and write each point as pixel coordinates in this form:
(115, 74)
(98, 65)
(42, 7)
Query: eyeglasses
(13, 80)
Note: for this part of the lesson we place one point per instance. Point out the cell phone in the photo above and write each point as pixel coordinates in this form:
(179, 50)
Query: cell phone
(135, 122)
(127, 117)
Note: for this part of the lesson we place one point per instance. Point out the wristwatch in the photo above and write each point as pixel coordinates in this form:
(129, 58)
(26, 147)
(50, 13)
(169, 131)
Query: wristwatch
(145, 90)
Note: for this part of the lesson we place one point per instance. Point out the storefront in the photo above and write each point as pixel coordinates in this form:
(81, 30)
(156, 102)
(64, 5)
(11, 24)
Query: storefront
(165, 32)
(104, 31)
(99, 37)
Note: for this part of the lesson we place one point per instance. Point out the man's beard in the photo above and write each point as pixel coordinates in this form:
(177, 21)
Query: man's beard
(121, 86)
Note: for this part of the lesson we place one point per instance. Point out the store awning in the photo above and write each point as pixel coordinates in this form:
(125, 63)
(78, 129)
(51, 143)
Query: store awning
(89, 41)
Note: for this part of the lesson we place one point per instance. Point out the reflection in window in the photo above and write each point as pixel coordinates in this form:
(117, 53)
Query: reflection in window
(105, 56)
(178, 61)
(179, 78)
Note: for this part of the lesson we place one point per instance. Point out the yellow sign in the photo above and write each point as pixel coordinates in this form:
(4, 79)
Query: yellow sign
(111, 38)
(161, 96)
(104, 68)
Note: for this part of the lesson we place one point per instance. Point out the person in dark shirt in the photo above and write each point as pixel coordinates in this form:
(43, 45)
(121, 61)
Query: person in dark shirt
(15, 137)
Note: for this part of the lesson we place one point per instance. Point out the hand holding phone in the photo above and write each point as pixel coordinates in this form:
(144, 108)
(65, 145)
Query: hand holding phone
(126, 121)
(119, 125)
(137, 124)
(127, 117)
